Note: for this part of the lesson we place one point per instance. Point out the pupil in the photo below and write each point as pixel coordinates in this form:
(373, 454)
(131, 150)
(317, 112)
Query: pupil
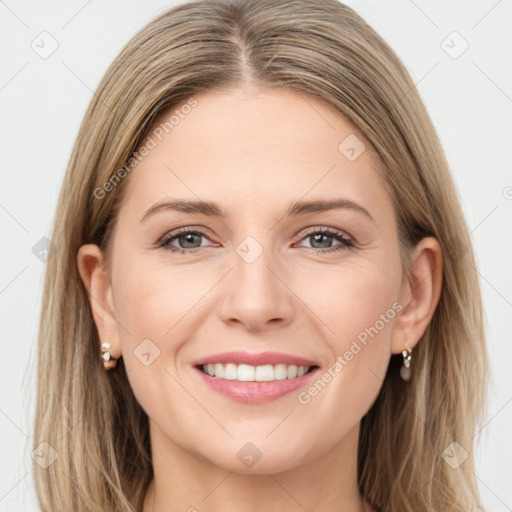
(188, 238)
(318, 237)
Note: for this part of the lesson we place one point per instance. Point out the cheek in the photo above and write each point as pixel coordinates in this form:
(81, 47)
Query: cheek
(348, 298)
(160, 306)
(357, 308)
(156, 308)
(154, 300)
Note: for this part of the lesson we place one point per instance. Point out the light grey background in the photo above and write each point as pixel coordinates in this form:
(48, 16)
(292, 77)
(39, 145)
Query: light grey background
(42, 101)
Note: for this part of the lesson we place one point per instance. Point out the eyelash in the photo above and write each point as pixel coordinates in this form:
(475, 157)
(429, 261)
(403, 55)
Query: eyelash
(346, 243)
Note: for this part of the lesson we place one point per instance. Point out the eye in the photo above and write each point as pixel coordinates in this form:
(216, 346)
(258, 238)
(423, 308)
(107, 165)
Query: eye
(188, 240)
(321, 240)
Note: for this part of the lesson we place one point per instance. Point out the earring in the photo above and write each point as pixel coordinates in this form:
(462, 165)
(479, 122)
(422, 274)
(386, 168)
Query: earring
(405, 370)
(108, 361)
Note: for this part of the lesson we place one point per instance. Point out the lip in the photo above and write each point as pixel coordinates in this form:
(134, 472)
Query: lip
(260, 359)
(255, 392)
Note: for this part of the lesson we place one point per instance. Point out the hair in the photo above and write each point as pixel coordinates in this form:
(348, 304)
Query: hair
(325, 50)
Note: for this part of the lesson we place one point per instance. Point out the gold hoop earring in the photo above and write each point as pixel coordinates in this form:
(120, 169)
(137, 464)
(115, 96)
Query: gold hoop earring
(108, 361)
(405, 370)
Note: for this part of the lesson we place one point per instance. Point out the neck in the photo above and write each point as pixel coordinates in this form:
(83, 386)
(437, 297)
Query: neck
(184, 481)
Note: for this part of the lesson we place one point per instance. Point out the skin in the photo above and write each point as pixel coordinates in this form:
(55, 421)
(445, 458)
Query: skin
(255, 152)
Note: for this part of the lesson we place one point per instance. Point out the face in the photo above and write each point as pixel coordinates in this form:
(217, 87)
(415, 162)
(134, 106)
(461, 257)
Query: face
(319, 284)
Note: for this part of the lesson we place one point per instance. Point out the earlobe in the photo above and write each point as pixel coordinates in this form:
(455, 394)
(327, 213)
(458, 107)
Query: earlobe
(92, 270)
(420, 294)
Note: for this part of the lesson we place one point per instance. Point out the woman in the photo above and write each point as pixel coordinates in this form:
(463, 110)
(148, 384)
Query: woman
(265, 295)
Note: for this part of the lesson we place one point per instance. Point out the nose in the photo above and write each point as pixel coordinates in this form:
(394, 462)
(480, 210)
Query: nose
(256, 294)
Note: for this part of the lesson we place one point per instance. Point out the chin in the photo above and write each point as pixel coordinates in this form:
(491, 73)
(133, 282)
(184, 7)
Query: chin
(258, 457)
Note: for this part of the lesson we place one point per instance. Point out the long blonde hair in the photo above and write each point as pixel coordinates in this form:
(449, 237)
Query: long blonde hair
(322, 48)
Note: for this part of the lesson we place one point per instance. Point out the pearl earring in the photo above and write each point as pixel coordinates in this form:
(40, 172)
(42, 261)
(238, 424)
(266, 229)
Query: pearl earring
(405, 370)
(108, 361)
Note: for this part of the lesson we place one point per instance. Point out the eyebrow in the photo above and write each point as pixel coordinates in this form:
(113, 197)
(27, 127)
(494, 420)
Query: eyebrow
(212, 209)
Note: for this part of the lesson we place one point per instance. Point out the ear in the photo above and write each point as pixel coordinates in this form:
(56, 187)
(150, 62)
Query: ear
(99, 289)
(419, 295)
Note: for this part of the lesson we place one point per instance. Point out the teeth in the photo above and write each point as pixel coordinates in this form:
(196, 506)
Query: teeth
(248, 373)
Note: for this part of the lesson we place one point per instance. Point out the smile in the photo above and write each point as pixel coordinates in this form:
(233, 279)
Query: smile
(249, 373)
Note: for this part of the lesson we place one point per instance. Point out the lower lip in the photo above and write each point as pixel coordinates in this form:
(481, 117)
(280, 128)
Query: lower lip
(255, 392)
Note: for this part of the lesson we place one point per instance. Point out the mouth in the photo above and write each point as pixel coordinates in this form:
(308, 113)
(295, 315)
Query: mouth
(251, 373)
(250, 378)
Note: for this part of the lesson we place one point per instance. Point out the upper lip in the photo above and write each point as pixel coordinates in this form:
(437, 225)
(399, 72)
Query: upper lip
(253, 359)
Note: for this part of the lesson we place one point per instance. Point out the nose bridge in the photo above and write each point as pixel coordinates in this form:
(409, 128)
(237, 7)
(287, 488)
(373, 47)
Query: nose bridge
(254, 293)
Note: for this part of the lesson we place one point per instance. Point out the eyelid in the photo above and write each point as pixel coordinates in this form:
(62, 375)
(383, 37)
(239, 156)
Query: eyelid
(333, 231)
(174, 233)
(346, 240)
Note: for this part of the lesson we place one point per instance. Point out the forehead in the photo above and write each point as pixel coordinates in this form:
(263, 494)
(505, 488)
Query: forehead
(249, 149)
